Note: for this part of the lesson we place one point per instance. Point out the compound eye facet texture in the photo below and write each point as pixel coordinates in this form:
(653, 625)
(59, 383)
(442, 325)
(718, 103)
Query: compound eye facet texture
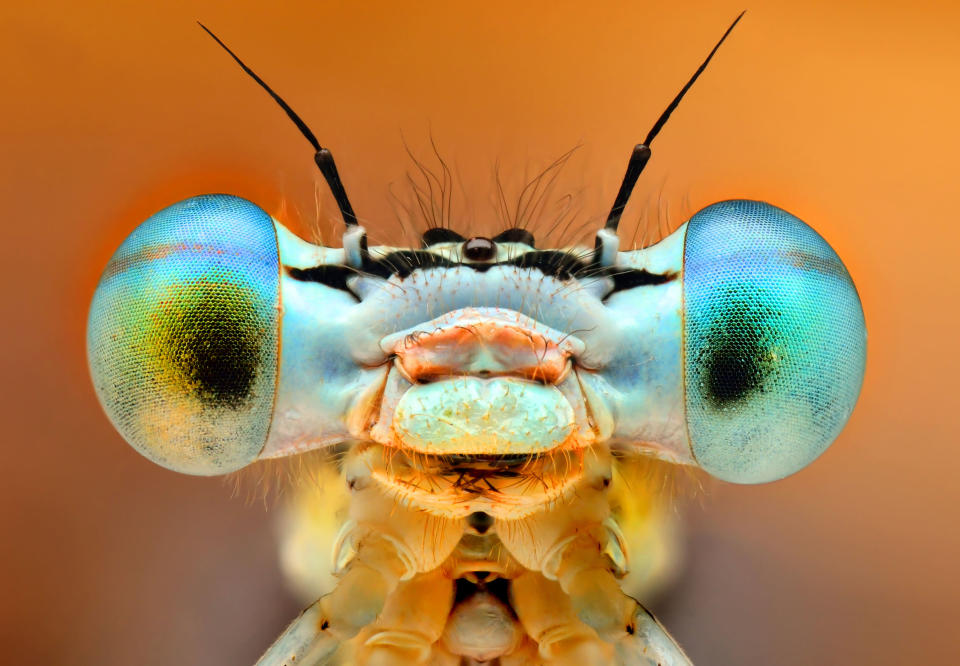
(183, 335)
(774, 342)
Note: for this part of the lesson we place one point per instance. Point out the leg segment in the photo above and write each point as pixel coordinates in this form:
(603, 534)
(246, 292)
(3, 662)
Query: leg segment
(586, 576)
(549, 619)
(305, 641)
(355, 602)
(650, 644)
(410, 624)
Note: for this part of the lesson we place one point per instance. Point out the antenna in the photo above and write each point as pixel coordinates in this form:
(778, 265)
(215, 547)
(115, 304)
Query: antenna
(641, 152)
(323, 157)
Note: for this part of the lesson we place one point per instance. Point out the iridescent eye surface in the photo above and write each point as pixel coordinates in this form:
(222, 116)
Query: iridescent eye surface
(774, 342)
(183, 337)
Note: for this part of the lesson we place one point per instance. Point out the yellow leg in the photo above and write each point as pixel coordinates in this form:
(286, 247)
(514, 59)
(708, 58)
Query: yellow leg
(390, 543)
(586, 576)
(355, 602)
(548, 617)
(411, 622)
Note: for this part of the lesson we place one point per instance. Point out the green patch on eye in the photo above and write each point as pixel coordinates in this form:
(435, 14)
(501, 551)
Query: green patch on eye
(741, 352)
(209, 338)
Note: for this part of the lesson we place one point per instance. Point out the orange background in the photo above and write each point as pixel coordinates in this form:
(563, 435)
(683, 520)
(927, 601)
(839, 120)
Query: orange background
(843, 113)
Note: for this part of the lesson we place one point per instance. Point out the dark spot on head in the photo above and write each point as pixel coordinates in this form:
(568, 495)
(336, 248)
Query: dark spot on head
(480, 521)
(738, 357)
(211, 336)
(515, 235)
(479, 248)
(436, 235)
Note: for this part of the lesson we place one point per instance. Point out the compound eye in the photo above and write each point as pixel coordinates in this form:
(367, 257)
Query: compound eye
(183, 335)
(774, 342)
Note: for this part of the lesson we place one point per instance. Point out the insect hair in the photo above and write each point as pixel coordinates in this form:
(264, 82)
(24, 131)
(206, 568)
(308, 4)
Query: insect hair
(427, 201)
(437, 212)
(668, 483)
(268, 481)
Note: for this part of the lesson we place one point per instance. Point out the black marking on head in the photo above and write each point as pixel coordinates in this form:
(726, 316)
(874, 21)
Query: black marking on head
(737, 360)
(403, 262)
(436, 235)
(479, 248)
(332, 275)
(628, 279)
(552, 263)
(556, 263)
(515, 235)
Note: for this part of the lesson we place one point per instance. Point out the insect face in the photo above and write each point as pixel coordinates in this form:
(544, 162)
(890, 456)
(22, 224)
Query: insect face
(736, 344)
(484, 390)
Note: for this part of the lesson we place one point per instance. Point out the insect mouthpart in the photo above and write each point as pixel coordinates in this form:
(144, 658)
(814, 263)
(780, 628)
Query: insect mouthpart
(482, 409)
(486, 342)
(482, 381)
(458, 486)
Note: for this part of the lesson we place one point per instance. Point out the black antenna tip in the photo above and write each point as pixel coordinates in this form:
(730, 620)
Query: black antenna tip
(662, 120)
(323, 158)
(641, 152)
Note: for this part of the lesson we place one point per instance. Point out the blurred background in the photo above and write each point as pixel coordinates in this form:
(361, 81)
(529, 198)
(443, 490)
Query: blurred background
(845, 114)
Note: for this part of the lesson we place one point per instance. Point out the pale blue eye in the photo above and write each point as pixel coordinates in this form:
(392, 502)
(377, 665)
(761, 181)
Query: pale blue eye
(183, 335)
(774, 341)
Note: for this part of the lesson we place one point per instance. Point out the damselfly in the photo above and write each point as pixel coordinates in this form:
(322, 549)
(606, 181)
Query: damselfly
(487, 398)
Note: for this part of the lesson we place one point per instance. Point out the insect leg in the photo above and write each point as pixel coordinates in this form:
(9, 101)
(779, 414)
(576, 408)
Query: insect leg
(585, 575)
(355, 602)
(650, 643)
(411, 622)
(548, 617)
(303, 642)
